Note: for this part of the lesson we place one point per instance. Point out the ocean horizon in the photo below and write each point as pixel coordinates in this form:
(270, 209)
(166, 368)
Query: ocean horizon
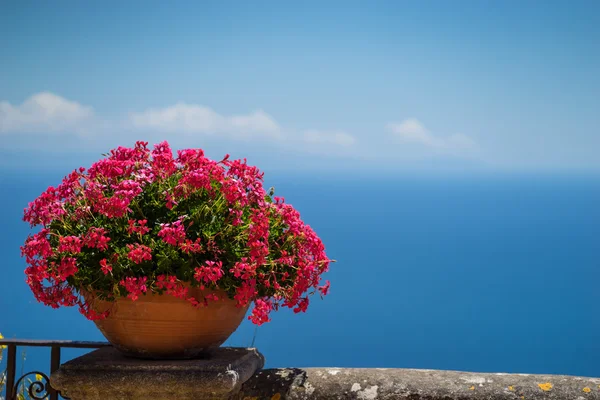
(482, 273)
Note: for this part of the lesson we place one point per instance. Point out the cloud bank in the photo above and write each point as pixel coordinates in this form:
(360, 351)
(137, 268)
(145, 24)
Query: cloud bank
(413, 131)
(45, 112)
(197, 119)
(45, 115)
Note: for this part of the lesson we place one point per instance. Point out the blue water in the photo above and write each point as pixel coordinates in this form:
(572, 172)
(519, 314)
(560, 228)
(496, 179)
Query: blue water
(481, 273)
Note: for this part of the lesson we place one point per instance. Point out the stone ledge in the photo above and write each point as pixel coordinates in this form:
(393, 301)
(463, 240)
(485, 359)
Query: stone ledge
(107, 374)
(231, 373)
(384, 384)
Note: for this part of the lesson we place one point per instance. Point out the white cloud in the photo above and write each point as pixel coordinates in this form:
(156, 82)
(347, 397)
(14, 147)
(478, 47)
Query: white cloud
(413, 131)
(185, 124)
(336, 138)
(194, 119)
(45, 112)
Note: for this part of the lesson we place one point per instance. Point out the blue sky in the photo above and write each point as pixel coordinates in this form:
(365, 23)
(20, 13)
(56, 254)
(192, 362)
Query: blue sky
(400, 85)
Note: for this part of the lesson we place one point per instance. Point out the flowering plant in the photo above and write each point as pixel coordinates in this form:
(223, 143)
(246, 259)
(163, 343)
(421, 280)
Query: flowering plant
(142, 221)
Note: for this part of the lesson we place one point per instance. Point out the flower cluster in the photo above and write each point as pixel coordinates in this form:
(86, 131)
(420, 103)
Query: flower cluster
(143, 221)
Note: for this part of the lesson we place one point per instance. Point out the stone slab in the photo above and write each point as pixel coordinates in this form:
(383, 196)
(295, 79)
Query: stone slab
(412, 384)
(107, 374)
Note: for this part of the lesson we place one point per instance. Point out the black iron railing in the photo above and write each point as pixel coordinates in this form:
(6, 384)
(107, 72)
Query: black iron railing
(39, 388)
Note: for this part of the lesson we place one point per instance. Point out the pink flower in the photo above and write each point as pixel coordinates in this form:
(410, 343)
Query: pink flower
(211, 297)
(246, 292)
(37, 246)
(105, 267)
(191, 247)
(140, 228)
(243, 270)
(165, 281)
(211, 273)
(190, 158)
(139, 253)
(45, 208)
(90, 313)
(107, 169)
(175, 288)
(55, 296)
(260, 312)
(70, 185)
(173, 234)
(236, 216)
(325, 288)
(265, 245)
(233, 191)
(67, 268)
(70, 244)
(302, 305)
(96, 239)
(36, 272)
(250, 179)
(163, 164)
(127, 189)
(135, 286)
(170, 200)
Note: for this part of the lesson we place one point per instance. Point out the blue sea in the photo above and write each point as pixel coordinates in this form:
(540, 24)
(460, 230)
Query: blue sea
(489, 273)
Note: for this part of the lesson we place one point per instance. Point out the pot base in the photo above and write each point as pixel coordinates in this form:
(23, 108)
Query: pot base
(166, 327)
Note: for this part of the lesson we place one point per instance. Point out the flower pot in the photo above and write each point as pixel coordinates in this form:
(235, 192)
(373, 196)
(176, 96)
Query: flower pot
(166, 327)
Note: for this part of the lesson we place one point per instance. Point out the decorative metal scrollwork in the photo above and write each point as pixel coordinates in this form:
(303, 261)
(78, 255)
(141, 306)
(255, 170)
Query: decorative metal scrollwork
(38, 389)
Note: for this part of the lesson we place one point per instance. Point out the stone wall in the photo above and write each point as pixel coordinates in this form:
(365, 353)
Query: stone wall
(371, 384)
(234, 373)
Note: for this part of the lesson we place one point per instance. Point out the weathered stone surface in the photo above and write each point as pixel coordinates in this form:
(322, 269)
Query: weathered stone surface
(231, 374)
(383, 384)
(106, 374)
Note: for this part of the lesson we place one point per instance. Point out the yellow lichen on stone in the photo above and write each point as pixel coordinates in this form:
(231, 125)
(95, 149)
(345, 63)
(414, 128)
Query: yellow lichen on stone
(276, 396)
(472, 388)
(545, 386)
(587, 390)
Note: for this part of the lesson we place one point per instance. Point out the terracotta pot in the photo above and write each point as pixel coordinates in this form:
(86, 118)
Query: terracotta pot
(162, 326)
